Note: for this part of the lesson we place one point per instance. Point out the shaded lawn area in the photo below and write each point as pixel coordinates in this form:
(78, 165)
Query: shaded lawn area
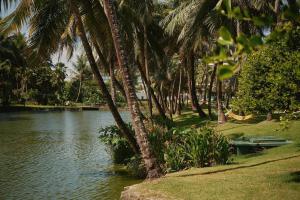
(271, 174)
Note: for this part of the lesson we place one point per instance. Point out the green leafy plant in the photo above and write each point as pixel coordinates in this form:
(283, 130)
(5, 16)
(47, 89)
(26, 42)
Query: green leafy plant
(118, 147)
(195, 148)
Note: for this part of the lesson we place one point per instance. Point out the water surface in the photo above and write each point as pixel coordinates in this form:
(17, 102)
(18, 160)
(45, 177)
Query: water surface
(57, 155)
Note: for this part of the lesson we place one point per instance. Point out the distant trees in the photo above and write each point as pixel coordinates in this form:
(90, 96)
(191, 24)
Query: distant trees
(24, 77)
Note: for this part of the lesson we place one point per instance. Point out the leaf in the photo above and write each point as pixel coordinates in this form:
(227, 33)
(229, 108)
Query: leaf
(225, 72)
(237, 13)
(228, 5)
(225, 37)
(262, 21)
(256, 41)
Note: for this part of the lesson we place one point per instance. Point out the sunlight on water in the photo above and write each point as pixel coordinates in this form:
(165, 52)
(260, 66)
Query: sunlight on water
(57, 155)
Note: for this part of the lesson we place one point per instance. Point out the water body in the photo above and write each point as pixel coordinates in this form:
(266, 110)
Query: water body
(57, 155)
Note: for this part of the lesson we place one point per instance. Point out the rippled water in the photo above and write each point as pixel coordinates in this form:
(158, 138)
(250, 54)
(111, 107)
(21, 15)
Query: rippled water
(57, 155)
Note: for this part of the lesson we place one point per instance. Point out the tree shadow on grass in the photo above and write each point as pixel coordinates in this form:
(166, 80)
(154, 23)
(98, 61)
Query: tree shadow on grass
(294, 177)
(234, 136)
(239, 167)
(188, 120)
(255, 120)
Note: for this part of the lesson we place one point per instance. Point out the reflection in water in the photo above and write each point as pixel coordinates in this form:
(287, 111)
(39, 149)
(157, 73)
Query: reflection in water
(57, 156)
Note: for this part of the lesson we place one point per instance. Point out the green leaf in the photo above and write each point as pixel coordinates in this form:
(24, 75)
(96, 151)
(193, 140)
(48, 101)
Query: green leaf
(256, 41)
(237, 13)
(225, 36)
(225, 72)
(262, 21)
(228, 5)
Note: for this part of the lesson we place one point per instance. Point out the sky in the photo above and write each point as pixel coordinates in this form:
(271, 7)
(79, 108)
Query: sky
(56, 57)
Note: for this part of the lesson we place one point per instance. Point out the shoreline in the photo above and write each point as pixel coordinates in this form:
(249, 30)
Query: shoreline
(48, 108)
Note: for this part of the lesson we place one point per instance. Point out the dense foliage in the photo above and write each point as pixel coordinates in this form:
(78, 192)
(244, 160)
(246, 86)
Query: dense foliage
(270, 78)
(175, 150)
(118, 147)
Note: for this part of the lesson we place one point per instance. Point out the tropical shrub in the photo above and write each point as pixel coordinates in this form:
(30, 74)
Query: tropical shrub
(119, 148)
(136, 167)
(175, 150)
(195, 148)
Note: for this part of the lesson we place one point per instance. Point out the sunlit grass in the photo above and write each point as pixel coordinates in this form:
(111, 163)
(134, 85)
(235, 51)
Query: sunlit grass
(271, 174)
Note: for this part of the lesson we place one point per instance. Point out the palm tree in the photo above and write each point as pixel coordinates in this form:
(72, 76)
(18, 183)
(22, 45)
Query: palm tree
(81, 68)
(53, 25)
(152, 167)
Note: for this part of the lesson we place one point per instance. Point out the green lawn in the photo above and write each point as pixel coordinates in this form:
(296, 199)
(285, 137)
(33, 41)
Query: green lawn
(272, 174)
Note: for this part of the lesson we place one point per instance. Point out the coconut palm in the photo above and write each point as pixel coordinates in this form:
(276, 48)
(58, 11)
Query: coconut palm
(53, 25)
(152, 167)
(81, 69)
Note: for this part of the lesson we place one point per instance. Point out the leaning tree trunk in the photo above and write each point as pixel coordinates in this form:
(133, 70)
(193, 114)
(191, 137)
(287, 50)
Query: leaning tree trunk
(221, 115)
(125, 132)
(191, 75)
(146, 57)
(212, 79)
(112, 83)
(151, 91)
(152, 167)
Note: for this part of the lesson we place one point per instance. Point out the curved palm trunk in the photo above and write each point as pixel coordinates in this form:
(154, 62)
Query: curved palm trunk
(191, 74)
(125, 132)
(153, 169)
(212, 79)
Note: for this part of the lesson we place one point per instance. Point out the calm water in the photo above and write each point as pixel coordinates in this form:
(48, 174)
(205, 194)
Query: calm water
(57, 155)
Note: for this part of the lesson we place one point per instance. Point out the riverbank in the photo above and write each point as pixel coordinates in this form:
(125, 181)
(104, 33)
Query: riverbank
(18, 108)
(271, 174)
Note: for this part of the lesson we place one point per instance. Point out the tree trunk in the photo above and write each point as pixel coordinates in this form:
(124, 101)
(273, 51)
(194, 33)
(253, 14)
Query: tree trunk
(221, 115)
(269, 116)
(112, 83)
(212, 79)
(151, 91)
(146, 57)
(152, 167)
(205, 87)
(125, 132)
(79, 89)
(191, 75)
(178, 104)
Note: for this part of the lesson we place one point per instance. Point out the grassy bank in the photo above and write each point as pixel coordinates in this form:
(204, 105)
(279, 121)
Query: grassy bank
(33, 107)
(272, 174)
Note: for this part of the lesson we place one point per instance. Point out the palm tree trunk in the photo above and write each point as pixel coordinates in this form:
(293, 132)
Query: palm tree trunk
(221, 115)
(152, 167)
(212, 79)
(125, 132)
(79, 89)
(151, 91)
(178, 104)
(112, 83)
(191, 74)
(148, 84)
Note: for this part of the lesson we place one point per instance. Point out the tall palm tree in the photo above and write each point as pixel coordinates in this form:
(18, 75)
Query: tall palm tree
(152, 167)
(80, 68)
(52, 25)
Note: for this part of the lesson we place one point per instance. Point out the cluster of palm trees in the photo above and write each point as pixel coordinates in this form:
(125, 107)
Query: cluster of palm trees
(164, 41)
